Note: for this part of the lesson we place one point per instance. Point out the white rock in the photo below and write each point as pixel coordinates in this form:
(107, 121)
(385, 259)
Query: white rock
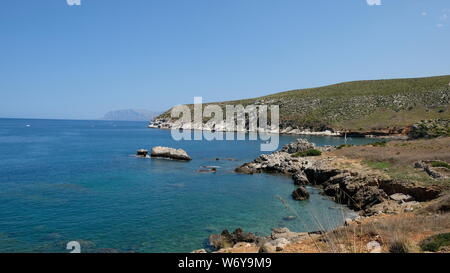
(400, 197)
(171, 153)
(374, 247)
(280, 243)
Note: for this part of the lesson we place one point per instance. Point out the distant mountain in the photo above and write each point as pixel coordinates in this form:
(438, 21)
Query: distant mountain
(130, 115)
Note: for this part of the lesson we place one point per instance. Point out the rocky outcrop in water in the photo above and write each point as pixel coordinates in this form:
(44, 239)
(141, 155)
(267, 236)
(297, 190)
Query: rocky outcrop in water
(300, 194)
(281, 161)
(170, 153)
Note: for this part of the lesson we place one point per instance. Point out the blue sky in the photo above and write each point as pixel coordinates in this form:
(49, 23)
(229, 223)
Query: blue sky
(61, 61)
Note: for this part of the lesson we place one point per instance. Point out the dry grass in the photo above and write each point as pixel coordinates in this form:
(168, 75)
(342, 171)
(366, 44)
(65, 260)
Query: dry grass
(388, 118)
(396, 159)
(401, 152)
(395, 233)
(400, 233)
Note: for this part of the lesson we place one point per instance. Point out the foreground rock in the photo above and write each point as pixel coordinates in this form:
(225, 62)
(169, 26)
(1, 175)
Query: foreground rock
(227, 239)
(245, 242)
(170, 153)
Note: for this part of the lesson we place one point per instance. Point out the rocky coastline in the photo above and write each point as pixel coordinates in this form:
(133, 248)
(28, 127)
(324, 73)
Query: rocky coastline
(388, 133)
(365, 192)
(368, 193)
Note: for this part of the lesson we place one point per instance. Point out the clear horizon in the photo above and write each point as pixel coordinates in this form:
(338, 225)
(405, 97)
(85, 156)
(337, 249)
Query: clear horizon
(79, 62)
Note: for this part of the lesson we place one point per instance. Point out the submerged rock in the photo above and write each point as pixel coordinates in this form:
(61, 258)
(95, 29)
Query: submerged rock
(300, 194)
(208, 170)
(171, 153)
(289, 218)
(268, 248)
(285, 233)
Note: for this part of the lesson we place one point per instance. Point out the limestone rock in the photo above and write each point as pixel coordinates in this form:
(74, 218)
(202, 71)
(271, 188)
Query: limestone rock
(400, 197)
(268, 248)
(300, 145)
(171, 153)
(374, 247)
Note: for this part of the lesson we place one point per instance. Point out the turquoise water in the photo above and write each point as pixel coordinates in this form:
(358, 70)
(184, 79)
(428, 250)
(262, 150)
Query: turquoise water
(78, 180)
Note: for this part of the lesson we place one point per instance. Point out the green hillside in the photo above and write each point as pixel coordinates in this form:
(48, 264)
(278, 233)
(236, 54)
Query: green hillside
(361, 105)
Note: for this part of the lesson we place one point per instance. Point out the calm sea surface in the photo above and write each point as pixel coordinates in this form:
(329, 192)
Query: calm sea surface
(63, 180)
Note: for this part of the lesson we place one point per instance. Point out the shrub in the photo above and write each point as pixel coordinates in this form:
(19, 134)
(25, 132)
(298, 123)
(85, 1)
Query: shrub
(310, 152)
(379, 144)
(440, 164)
(378, 164)
(435, 242)
(343, 146)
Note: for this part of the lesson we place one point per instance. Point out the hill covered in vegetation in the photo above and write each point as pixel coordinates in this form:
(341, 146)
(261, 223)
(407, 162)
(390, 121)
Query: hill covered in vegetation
(360, 106)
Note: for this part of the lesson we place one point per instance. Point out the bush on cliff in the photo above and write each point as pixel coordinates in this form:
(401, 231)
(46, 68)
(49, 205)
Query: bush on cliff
(435, 242)
(344, 146)
(440, 164)
(379, 144)
(430, 129)
(310, 152)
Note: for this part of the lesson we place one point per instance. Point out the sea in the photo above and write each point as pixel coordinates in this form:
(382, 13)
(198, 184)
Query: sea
(79, 180)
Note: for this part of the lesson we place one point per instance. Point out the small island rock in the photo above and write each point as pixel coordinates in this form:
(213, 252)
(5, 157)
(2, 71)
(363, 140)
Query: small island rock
(171, 153)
